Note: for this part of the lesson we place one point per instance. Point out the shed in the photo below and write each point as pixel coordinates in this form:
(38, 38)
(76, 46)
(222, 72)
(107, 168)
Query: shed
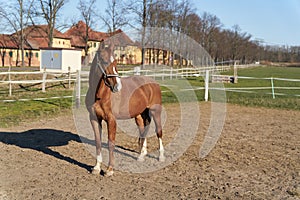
(60, 59)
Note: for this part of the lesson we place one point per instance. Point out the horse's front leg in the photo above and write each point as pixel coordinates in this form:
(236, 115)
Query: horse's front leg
(97, 127)
(112, 127)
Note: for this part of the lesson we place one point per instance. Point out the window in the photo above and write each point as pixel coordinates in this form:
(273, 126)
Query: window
(37, 55)
(10, 54)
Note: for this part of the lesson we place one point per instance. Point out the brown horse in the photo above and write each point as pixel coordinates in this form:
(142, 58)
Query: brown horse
(136, 97)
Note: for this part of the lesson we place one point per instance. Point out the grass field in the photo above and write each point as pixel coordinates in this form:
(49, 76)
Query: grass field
(12, 113)
(264, 97)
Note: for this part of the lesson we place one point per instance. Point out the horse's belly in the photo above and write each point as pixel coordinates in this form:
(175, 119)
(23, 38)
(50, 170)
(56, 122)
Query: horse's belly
(124, 107)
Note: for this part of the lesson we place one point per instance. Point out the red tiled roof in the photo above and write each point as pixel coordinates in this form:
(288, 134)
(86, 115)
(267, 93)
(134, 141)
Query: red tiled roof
(10, 41)
(120, 38)
(7, 41)
(77, 33)
(37, 43)
(36, 37)
(40, 31)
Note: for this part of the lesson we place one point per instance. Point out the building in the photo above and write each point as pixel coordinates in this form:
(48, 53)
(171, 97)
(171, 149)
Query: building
(126, 51)
(35, 38)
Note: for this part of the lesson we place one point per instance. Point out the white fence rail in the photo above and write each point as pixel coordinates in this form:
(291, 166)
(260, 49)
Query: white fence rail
(172, 73)
(159, 74)
(56, 77)
(272, 87)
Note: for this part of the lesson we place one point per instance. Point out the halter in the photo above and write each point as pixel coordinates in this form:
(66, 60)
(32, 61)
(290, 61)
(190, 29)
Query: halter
(106, 76)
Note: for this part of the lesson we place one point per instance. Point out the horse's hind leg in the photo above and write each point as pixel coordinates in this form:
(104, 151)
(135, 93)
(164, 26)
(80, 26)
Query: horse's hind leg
(143, 121)
(155, 111)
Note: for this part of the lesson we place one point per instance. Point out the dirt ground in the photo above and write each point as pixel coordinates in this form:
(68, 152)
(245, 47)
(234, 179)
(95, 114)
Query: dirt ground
(256, 157)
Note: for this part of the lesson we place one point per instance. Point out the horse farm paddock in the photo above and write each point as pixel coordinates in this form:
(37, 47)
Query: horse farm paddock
(256, 157)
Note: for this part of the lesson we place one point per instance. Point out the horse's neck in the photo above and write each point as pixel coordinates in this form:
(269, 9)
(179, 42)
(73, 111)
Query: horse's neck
(103, 91)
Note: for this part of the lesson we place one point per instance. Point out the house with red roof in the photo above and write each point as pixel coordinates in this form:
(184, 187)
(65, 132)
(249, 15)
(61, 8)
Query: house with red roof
(126, 51)
(35, 38)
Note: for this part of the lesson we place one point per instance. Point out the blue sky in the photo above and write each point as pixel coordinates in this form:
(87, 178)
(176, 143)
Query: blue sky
(276, 22)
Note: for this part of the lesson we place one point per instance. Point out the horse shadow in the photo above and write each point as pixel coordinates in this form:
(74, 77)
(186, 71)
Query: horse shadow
(41, 139)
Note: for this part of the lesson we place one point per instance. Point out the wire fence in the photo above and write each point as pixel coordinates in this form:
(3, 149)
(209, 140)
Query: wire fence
(159, 74)
(272, 87)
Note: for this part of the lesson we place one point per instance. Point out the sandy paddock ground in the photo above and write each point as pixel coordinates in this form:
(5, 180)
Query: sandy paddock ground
(256, 157)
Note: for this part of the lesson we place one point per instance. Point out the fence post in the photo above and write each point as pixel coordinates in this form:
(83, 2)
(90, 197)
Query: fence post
(235, 75)
(69, 77)
(206, 85)
(171, 73)
(44, 81)
(273, 91)
(9, 79)
(78, 86)
(137, 71)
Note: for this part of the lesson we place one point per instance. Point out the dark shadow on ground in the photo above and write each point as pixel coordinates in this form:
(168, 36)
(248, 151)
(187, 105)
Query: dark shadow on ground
(41, 139)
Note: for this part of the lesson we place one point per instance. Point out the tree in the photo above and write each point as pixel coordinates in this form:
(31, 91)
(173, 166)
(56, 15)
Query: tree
(87, 10)
(115, 15)
(139, 9)
(49, 11)
(18, 17)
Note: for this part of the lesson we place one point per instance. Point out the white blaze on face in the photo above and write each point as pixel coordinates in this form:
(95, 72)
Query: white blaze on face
(119, 83)
(112, 59)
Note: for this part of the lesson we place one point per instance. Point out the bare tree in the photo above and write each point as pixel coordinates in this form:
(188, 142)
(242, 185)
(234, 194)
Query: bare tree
(87, 10)
(49, 11)
(115, 15)
(139, 14)
(17, 17)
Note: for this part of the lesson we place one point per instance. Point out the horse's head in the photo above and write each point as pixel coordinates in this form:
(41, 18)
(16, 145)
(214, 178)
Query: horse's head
(108, 66)
(105, 53)
(111, 77)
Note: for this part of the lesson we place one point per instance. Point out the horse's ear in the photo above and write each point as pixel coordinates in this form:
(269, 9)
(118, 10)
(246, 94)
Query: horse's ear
(115, 62)
(102, 44)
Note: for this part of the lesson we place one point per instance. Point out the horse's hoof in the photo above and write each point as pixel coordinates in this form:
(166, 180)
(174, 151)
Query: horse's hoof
(96, 171)
(162, 158)
(109, 172)
(141, 159)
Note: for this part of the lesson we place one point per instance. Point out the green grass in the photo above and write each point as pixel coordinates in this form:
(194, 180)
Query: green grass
(12, 113)
(267, 71)
(264, 98)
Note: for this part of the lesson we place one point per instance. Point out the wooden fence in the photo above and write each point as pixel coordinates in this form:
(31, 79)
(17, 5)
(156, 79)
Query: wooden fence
(69, 78)
(43, 79)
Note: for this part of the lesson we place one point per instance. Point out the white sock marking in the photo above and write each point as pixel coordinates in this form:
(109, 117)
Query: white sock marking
(98, 163)
(161, 151)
